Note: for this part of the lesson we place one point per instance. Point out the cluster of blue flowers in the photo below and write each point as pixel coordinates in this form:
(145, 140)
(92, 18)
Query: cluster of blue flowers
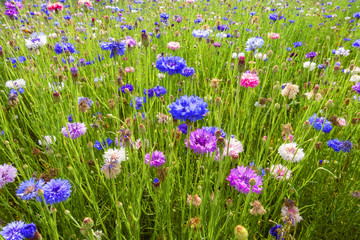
(100, 146)
(64, 47)
(320, 124)
(19, 230)
(157, 90)
(337, 146)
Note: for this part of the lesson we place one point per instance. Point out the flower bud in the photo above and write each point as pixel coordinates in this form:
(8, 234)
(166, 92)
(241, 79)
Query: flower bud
(220, 142)
(329, 104)
(142, 129)
(241, 233)
(252, 181)
(218, 101)
(275, 69)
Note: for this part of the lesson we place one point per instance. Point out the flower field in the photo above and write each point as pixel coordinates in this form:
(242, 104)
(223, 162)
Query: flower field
(191, 119)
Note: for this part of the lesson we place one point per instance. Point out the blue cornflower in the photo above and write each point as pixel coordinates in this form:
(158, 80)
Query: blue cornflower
(346, 146)
(101, 146)
(28, 231)
(297, 44)
(57, 191)
(357, 15)
(335, 144)
(12, 231)
(149, 93)
(320, 123)
(222, 28)
(183, 128)
(171, 65)
(28, 189)
(200, 33)
(347, 39)
(67, 17)
(159, 91)
(70, 118)
(190, 108)
(291, 21)
(273, 17)
(116, 48)
(188, 72)
(59, 49)
(288, 49)
(252, 13)
(164, 16)
(212, 130)
(138, 102)
(252, 44)
(22, 59)
(356, 44)
(277, 232)
(127, 86)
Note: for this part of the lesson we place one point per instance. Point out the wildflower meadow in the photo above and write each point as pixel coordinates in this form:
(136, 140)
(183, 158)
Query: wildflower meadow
(182, 119)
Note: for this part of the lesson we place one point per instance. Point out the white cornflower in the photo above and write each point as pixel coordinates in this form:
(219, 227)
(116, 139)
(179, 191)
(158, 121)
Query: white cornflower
(290, 152)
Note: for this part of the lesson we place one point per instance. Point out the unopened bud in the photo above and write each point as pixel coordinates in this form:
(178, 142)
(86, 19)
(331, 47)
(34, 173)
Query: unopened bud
(241, 233)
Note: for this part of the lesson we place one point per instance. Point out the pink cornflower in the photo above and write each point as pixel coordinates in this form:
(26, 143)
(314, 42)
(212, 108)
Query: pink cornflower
(173, 45)
(7, 174)
(55, 6)
(291, 214)
(273, 35)
(129, 69)
(341, 122)
(249, 80)
(87, 2)
(290, 138)
(280, 172)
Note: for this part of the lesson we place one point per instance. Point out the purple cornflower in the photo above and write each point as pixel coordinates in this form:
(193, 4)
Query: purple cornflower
(116, 48)
(130, 42)
(128, 87)
(201, 142)
(190, 108)
(75, 130)
(240, 179)
(156, 159)
(7, 174)
(57, 191)
(171, 65)
(29, 189)
(356, 87)
(183, 128)
(311, 55)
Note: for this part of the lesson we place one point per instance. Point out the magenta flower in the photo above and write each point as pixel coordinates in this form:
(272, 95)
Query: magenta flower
(7, 174)
(202, 142)
(249, 80)
(240, 179)
(75, 130)
(156, 159)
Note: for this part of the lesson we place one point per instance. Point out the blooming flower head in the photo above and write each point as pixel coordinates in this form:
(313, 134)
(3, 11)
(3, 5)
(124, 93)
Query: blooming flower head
(277, 232)
(201, 142)
(290, 90)
(116, 48)
(291, 214)
(112, 159)
(212, 130)
(74, 130)
(280, 172)
(310, 65)
(85, 101)
(7, 174)
(273, 35)
(200, 33)
(290, 152)
(47, 140)
(12, 231)
(341, 52)
(254, 43)
(356, 87)
(188, 72)
(173, 45)
(320, 124)
(28, 230)
(190, 108)
(83, 2)
(130, 42)
(297, 44)
(311, 55)
(156, 158)
(16, 84)
(28, 189)
(56, 191)
(240, 179)
(36, 40)
(159, 91)
(129, 87)
(249, 80)
(356, 43)
(55, 6)
(338, 146)
(171, 65)
(100, 146)
(137, 102)
(64, 47)
(235, 147)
